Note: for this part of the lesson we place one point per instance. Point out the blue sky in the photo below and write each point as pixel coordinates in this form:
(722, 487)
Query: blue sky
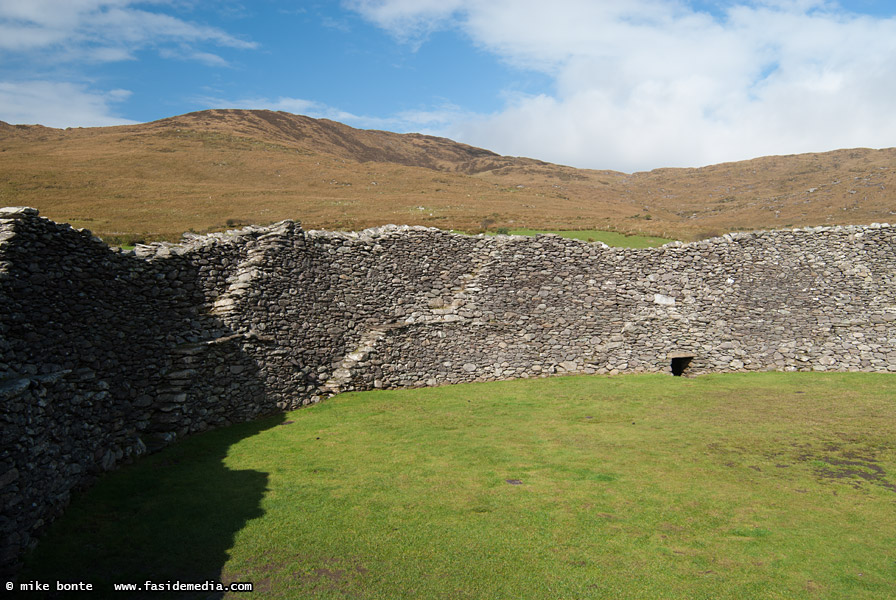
(629, 85)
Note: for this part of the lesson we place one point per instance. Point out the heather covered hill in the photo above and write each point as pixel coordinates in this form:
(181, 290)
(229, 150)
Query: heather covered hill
(213, 169)
(333, 138)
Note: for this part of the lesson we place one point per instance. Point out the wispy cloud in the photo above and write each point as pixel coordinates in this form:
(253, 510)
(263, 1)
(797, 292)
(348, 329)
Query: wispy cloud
(47, 48)
(57, 104)
(299, 106)
(187, 53)
(649, 83)
(102, 29)
(335, 24)
(432, 120)
(408, 20)
(427, 121)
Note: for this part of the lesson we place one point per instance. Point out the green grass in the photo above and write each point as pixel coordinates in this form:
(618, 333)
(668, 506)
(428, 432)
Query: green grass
(610, 238)
(763, 485)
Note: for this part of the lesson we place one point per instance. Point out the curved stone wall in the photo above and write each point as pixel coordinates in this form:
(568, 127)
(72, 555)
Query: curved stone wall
(105, 355)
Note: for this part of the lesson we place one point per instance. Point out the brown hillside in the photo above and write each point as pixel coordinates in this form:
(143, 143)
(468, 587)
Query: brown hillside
(210, 169)
(330, 137)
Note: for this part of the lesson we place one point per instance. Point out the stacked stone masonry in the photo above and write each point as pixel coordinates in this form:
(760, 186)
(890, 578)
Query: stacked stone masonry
(105, 355)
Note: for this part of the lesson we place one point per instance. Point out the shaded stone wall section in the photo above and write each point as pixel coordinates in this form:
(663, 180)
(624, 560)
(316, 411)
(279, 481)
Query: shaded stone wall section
(105, 355)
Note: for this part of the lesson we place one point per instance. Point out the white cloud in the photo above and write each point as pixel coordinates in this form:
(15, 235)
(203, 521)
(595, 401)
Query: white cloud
(101, 29)
(650, 83)
(56, 104)
(47, 46)
(187, 53)
(299, 106)
(431, 121)
(409, 20)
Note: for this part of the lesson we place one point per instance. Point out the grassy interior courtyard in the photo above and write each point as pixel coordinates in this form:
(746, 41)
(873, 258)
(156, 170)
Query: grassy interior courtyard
(763, 485)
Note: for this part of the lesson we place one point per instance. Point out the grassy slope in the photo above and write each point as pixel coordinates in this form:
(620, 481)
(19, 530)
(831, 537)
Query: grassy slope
(200, 171)
(630, 487)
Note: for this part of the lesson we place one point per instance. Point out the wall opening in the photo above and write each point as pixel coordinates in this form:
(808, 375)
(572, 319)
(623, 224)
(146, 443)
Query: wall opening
(680, 363)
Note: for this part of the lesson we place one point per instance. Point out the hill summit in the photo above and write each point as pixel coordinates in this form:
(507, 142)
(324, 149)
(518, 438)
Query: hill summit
(214, 169)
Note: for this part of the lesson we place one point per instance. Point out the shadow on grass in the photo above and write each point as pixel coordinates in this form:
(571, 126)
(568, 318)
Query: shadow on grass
(170, 517)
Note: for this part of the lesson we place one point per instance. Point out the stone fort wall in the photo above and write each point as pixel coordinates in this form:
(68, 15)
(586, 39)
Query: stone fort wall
(105, 355)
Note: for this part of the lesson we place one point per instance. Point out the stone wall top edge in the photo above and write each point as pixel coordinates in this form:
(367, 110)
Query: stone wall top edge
(193, 242)
(392, 230)
(760, 233)
(12, 215)
(18, 212)
(371, 232)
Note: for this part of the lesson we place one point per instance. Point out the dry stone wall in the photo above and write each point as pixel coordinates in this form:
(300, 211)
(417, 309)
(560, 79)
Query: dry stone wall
(494, 308)
(105, 355)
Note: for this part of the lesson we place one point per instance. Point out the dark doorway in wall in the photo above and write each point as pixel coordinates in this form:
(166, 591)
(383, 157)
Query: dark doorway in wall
(679, 364)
